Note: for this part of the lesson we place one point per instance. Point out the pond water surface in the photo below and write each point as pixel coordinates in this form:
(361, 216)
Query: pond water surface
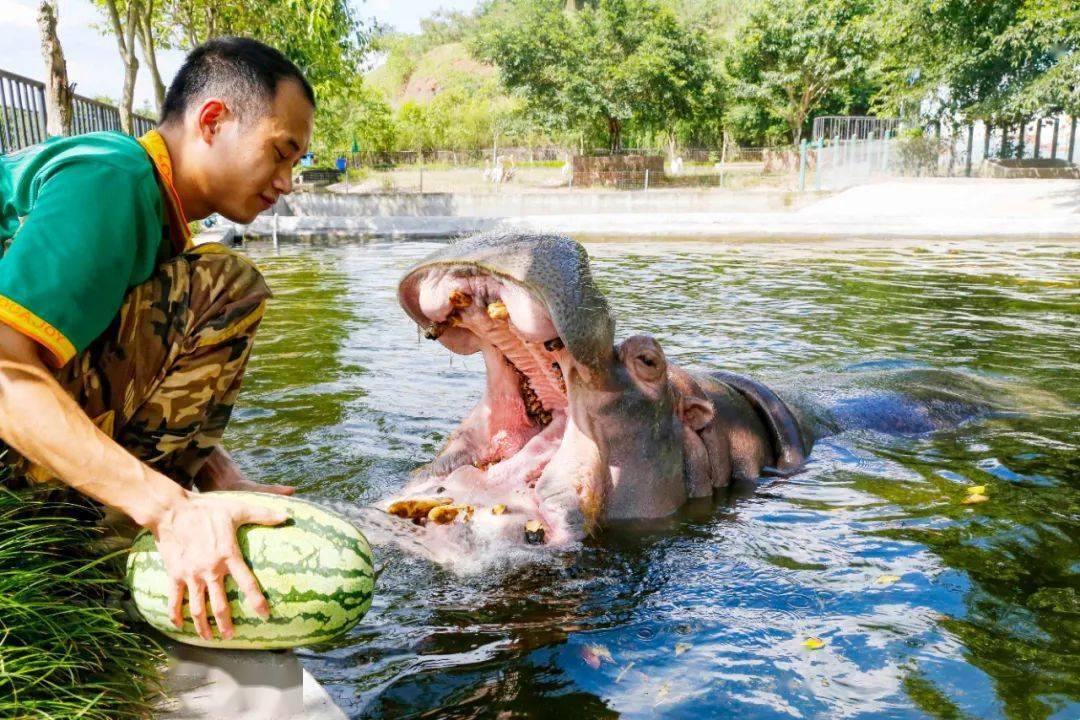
(926, 607)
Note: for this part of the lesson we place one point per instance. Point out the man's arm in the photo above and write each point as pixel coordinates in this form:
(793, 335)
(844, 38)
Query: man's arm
(195, 534)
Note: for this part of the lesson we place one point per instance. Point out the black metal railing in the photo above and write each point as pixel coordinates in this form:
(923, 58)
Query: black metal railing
(23, 119)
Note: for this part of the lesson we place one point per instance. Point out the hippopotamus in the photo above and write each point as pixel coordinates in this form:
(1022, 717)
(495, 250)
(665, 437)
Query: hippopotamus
(573, 430)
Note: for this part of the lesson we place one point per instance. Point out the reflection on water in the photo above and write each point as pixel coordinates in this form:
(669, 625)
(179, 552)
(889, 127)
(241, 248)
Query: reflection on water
(926, 606)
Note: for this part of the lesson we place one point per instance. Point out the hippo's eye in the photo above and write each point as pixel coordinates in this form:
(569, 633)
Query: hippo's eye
(647, 361)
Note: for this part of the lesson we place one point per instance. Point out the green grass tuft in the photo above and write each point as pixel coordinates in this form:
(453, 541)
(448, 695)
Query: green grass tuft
(66, 648)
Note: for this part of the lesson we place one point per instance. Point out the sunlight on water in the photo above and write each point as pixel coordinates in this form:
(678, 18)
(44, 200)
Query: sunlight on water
(925, 606)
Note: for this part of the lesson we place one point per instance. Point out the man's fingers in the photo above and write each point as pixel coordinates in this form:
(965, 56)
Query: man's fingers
(278, 489)
(197, 603)
(176, 604)
(245, 579)
(219, 605)
(260, 515)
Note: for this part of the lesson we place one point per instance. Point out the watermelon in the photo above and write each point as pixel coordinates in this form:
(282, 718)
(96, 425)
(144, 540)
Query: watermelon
(315, 570)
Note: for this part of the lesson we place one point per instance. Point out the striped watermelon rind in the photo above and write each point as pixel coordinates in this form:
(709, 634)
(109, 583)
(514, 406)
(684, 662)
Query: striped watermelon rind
(315, 570)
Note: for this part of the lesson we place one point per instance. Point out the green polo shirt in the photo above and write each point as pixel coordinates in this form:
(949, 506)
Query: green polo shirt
(80, 223)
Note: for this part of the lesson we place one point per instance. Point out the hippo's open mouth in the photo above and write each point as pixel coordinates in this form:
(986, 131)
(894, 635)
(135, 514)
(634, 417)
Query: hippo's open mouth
(488, 473)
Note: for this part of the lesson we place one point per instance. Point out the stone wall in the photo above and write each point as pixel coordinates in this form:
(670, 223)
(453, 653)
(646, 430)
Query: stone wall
(616, 170)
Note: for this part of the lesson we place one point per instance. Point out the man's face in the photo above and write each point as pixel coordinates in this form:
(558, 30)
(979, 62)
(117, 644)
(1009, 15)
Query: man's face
(250, 163)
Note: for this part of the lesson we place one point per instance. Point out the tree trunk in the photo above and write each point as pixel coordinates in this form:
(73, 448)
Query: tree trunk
(58, 95)
(614, 134)
(125, 42)
(146, 40)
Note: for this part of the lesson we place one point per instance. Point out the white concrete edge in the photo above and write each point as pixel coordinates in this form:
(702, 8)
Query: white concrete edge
(684, 225)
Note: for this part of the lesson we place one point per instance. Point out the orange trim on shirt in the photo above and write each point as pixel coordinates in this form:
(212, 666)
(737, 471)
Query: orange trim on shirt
(155, 147)
(30, 325)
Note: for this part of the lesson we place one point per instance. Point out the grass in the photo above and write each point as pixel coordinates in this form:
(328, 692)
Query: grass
(66, 649)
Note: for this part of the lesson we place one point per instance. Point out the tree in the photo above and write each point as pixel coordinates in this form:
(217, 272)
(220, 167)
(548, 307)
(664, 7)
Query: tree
(1002, 61)
(58, 94)
(791, 55)
(122, 16)
(353, 113)
(148, 27)
(612, 63)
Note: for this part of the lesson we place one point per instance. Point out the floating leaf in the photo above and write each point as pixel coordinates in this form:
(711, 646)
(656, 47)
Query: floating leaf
(813, 643)
(886, 579)
(974, 500)
(595, 655)
(681, 648)
(619, 677)
(976, 490)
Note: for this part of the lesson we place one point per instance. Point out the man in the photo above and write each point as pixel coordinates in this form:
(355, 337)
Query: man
(122, 345)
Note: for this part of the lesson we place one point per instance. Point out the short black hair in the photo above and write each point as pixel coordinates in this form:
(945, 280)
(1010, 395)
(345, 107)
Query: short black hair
(240, 69)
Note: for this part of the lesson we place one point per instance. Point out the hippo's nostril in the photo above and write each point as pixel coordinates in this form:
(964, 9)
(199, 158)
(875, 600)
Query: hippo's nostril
(554, 345)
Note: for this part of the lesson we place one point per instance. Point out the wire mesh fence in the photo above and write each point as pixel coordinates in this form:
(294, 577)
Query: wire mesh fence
(23, 119)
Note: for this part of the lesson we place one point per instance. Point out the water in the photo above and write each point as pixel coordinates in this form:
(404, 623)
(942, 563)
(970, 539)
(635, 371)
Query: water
(705, 615)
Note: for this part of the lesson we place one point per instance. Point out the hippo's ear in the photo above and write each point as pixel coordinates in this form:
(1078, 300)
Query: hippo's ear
(695, 412)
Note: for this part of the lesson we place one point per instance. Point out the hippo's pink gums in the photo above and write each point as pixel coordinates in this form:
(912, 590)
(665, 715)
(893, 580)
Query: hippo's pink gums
(571, 430)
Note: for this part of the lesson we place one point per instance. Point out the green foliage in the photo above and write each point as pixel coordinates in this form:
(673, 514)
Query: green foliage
(792, 58)
(65, 649)
(1001, 61)
(352, 112)
(610, 64)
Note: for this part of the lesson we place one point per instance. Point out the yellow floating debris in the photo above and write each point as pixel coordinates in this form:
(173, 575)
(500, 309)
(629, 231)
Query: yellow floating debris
(813, 643)
(976, 490)
(886, 579)
(681, 648)
(974, 499)
(498, 509)
(619, 677)
(416, 508)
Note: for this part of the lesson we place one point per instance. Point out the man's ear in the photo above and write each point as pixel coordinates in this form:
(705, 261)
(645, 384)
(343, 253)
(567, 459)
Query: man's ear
(211, 114)
(695, 412)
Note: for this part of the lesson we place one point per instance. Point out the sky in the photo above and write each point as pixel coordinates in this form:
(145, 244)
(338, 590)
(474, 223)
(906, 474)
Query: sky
(93, 59)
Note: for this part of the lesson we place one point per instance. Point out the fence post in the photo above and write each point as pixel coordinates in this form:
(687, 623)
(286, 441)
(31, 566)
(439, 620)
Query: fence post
(802, 165)
(646, 178)
(818, 145)
(1072, 138)
(971, 140)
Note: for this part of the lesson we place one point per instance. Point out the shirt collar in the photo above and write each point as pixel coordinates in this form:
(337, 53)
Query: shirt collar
(155, 147)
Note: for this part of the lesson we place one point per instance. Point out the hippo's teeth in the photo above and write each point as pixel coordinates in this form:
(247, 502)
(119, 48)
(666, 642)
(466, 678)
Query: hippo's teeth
(434, 330)
(554, 345)
(534, 532)
(443, 515)
(417, 508)
(497, 311)
(460, 300)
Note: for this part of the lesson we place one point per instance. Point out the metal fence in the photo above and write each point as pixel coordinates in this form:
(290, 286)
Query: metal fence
(860, 152)
(512, 168)
(23, 118)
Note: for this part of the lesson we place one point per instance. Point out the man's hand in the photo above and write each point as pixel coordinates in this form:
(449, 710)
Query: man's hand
(197, 540)
(220, 472)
